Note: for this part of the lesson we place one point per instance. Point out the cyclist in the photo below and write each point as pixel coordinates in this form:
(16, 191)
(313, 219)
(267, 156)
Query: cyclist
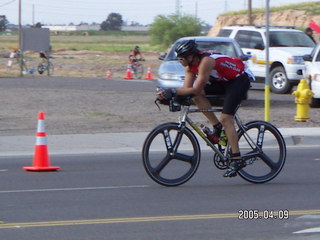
(135, 54)
(208, 73)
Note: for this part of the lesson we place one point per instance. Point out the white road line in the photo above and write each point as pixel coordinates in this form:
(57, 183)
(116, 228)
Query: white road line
(72, 189)
(309, 230)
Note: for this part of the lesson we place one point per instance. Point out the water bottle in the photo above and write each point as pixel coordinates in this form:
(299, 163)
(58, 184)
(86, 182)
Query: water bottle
(211, 136)
(223, 138)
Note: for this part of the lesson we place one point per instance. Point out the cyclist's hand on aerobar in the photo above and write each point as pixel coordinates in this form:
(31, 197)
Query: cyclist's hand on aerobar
(165, 94)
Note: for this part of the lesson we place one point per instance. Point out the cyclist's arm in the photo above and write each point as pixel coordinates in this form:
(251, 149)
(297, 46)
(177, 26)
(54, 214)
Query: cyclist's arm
(195, 85)
(138, 56)
(131, 55)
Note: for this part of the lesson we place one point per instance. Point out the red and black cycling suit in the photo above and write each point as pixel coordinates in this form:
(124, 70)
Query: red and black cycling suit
(227, 78)
(133, 55)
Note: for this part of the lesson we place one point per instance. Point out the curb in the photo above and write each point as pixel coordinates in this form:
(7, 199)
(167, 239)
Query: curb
(123, 142)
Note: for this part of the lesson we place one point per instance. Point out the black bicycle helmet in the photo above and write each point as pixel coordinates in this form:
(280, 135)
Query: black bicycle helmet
(186, 48)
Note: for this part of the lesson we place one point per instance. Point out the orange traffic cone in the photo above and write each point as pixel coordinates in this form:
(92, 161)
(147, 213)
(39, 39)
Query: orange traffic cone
(41, 161)
(108, 75)
(149, 74)
(129, 73)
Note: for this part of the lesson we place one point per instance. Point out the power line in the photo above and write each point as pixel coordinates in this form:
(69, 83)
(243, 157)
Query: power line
(5, 4)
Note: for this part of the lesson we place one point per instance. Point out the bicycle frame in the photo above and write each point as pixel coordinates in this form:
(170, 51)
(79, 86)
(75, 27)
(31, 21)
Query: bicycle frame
(185, 119)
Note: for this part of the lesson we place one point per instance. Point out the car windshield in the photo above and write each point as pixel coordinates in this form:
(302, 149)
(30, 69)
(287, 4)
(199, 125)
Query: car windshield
(290, 39)
(226, 48)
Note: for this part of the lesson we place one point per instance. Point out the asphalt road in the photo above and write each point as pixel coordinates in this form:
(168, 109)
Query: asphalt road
(111, 197)
(76, 83)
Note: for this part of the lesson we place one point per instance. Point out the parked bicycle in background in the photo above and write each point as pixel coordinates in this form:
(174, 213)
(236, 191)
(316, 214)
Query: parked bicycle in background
(45, 65)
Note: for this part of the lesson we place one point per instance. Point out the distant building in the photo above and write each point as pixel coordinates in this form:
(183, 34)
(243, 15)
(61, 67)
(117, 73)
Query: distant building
(93, 27)
(71, 28)
(135, 28)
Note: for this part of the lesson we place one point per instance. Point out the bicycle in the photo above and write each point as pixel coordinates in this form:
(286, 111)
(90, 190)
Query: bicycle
(171, 152)
(46, 64)
(137, 68)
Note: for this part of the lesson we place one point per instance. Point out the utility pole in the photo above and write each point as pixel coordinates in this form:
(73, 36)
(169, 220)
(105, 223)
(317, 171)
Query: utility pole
(267, 79)
(32, 14)
(178, 7)
(20, 38)
(196, 10)
(19, 24)
(250, 12)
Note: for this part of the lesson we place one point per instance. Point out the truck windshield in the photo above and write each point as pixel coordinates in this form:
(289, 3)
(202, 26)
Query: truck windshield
(290, 39)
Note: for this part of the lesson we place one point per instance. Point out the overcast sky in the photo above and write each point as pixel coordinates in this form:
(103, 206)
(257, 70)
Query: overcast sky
(141, 11)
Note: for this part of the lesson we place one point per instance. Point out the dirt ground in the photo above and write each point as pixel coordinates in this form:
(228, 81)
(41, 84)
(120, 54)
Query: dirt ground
(81, 63)
(89, 112)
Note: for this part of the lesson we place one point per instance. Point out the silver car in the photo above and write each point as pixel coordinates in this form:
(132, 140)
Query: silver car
(171, 72)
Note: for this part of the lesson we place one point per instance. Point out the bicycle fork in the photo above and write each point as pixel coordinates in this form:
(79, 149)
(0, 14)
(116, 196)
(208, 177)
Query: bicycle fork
(255, 146)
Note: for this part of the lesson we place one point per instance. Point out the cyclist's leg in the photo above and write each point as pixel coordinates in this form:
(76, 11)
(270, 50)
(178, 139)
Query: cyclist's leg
(133, 67)
(212, 88)
(228, 125)
(138, 70)
(236, 90)
(203, 103)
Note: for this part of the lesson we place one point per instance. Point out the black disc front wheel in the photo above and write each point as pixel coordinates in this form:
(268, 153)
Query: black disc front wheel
(171, 154)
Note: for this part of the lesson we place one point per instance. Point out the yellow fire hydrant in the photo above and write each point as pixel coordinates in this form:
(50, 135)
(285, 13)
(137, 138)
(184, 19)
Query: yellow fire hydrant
(303, 96)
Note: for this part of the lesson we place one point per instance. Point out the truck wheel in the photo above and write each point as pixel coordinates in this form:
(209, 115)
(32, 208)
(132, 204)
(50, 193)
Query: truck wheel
(279, 82)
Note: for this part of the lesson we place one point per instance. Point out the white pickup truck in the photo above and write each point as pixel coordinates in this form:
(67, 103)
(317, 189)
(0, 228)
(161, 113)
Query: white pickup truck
(312, 73)
(287, 48)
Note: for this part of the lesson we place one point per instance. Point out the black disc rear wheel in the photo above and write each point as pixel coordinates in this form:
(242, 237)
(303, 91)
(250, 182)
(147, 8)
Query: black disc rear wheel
(264, 149)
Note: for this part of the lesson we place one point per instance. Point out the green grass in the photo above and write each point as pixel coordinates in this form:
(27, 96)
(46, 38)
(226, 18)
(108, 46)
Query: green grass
(311, 8)
(95, 41)
(101, 43)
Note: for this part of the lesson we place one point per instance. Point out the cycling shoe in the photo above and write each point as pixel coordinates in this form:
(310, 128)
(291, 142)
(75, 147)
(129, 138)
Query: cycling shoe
(235, 166)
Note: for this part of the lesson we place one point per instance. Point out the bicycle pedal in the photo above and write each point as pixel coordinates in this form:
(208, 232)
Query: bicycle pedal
(231, 172)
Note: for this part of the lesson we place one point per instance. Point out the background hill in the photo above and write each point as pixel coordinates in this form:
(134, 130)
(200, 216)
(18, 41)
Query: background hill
(298, 15)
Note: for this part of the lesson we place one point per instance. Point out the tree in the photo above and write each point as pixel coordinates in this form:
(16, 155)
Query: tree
(3, 23)
(165, 30)
(113, 22)
(37, 25)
